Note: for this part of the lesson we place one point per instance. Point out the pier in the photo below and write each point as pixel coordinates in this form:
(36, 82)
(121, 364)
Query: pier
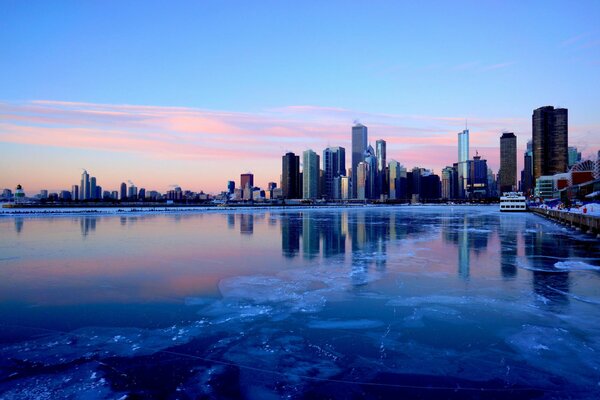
(583, 222)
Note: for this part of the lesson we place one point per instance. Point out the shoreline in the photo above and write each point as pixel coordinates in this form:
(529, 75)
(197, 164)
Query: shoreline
(102, 211)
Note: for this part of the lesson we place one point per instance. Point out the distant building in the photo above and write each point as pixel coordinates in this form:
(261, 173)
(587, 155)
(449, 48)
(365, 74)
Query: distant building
(574, 156)
(123, 193)
(394, 180)
(84, 188)
(310, 175)
(345, 188)
(550, 128)
(93, 193)
(334, 166)
(246, 180)
(527, 172)
(478, 180)
(463, 163)
(43, 194)
(230, 187)
(75, 192)
(362, 176)
(372, 191)
(290, 176)
(380, 153)
(132, 192)
(447, 183)
(508, 162)
(359, 146)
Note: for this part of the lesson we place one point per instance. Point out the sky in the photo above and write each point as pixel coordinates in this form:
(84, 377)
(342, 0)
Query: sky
(196, 93)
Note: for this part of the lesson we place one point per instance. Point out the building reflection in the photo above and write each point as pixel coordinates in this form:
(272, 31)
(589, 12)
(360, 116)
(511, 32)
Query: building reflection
(231, 221)
(246, 224)
(88, 224)
(507, 234)
(543, 251)
(291, 230)
(19, 221)
(311, 236)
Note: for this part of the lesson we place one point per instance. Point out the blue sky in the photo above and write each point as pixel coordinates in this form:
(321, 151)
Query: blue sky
(485, 61)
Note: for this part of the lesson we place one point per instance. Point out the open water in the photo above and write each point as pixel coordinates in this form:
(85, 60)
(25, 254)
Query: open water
(373, 302)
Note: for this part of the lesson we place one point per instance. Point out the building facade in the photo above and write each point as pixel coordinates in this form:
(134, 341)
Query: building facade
(508, 162)
(359, 146)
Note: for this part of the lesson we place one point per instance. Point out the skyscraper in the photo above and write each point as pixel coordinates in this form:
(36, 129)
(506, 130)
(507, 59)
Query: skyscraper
(123, 191)
(246, 180)
(84, 192)
(290, 176)
(93, 188)
(447, 183)
(75, 192)
(372, 191)
(508, 162)
(230, 187)
(310, 175)
(574, 156)
(334, 166)
(362, 173)
(394, 180)
(380, 150)
(527, 174)
(463, 162)
(359, 146)
(550, 134)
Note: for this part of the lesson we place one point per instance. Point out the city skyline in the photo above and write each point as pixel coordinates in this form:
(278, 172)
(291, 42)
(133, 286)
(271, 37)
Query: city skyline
(164, 100)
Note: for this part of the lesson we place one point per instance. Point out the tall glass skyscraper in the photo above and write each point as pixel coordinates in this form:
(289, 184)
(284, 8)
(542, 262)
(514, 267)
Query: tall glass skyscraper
(359, 146)
(310, 175)
(463, 162)
(290, 176)
(334, 166)
(84, 192)
(380, 151)
(550, 127)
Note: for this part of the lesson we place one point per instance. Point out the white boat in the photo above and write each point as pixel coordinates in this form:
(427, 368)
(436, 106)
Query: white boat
(513, 201)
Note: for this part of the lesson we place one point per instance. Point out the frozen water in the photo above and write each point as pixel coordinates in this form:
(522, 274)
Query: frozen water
(379, 302)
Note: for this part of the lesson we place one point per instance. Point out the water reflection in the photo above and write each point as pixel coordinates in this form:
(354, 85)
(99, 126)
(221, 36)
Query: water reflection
(87, 225)
(19, 221)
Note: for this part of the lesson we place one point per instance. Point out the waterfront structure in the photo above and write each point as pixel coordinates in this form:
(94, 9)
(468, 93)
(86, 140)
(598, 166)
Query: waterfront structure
(290, 176)
(359, 146)
(550, 136)
(84, 192)
(463, 163)
(508, 162)
(310, 175)
(380, 153)
(334, 166)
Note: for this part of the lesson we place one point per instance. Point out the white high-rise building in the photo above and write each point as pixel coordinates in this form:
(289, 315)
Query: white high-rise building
(310, 175)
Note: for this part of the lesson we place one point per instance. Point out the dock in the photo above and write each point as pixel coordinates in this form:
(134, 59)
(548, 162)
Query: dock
(583, 222)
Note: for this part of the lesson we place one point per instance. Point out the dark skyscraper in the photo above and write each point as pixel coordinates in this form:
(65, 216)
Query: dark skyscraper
(527, 174)
(334, 165)
(230, 187)
(246, 181)
(123, 191)
(550, 127)
(359, 146)
(508, 162)
(290, 176)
